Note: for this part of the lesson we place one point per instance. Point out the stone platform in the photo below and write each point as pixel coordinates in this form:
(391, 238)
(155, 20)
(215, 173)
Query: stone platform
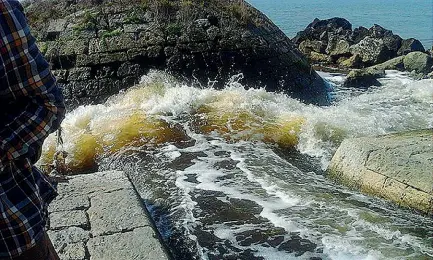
(100, 217)
(397, 167)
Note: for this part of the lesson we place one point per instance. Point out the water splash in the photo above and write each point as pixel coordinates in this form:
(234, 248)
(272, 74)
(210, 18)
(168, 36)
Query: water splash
(147, 115)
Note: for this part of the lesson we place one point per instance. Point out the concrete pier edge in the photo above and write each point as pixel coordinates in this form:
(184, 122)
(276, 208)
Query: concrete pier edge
(100, 216)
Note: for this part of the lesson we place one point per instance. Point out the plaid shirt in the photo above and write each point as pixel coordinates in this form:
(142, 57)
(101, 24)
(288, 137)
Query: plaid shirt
(31, 108)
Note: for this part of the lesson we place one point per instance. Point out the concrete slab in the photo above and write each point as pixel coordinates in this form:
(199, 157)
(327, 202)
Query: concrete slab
(99, 216)
(137, 244)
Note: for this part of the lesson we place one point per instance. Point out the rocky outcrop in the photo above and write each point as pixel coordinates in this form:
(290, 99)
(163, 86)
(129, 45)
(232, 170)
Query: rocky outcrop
(397, 167)
(418, 63)
(99, 216)
(410, 45)
(99, 47)
(347, 48)
(364, 78)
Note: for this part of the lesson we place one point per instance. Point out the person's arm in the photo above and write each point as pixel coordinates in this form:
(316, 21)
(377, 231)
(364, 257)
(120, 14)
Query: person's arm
(28, 91)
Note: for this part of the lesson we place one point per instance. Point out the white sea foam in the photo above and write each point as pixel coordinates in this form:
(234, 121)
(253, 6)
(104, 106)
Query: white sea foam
(296, 201)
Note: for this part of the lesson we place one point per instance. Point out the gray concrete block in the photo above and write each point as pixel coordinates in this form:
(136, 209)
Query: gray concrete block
(64, 219)
(138, 244)
(98, 182)
(72, 235)
(116, 212)
(66, 202)
(73, 252)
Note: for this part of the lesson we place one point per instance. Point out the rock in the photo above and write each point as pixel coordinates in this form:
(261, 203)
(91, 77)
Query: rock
(319, 57)
(214, 43)
(396, 167)
(393, 64)
(55, 28)
(410, 45)
(391, 41)
(359, 34)
(418, 62)
(364, 78)
(353, 62)
(377, 31)
(371, 50)
(337, 47)
(308, 46)
(318, 28)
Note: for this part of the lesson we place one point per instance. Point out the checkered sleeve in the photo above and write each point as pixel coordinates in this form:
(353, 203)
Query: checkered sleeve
(27, 85)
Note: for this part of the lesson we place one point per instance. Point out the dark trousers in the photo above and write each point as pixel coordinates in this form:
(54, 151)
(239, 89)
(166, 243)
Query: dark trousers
(44, 250)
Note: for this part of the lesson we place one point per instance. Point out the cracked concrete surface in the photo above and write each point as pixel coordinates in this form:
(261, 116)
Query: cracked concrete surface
(100, 217)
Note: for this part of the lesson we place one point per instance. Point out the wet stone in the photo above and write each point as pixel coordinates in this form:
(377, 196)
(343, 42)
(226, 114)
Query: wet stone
(297, 245)
(235, 211)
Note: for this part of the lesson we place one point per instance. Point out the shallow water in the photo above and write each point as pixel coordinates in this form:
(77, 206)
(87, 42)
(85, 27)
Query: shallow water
(238, 174)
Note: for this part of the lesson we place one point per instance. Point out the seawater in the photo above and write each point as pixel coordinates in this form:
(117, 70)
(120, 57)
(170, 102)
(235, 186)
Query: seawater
(238, 174)
(409, 19)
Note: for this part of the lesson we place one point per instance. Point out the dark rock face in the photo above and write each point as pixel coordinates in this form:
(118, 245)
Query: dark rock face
(410, 45)
(345, 47)
(319, 29)
(97, 49)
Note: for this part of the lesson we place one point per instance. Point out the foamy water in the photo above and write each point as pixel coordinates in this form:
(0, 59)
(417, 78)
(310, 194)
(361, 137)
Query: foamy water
(206, 162)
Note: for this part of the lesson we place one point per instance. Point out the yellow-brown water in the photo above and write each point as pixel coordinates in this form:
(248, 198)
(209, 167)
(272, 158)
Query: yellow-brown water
(204, 159)
(92, 132)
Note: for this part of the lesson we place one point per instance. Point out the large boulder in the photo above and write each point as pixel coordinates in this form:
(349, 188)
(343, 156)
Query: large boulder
(347, 48)
(392, 64)
(364, 78)
(390, 40)
(418, 62)
(307, 46)
(377, 31)
(100, 47)
(410, 45)
(371, 50)
(397, 167)
(318, 29)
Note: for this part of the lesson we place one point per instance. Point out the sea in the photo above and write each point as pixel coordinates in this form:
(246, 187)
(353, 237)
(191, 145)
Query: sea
(240, 173)
(407, 18)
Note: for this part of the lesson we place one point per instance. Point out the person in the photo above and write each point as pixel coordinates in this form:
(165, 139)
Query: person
(32, 107)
